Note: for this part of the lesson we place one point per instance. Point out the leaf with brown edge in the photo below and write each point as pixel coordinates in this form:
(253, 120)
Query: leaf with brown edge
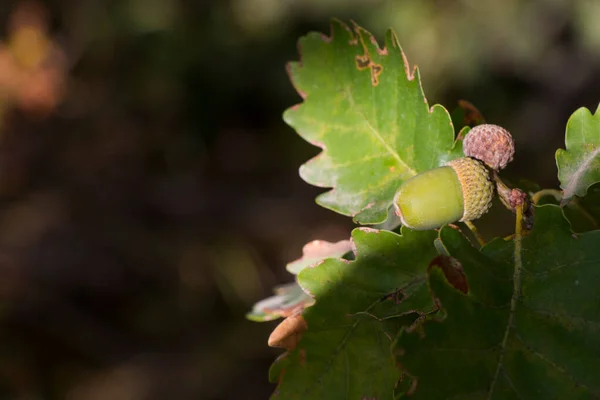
(364, 106)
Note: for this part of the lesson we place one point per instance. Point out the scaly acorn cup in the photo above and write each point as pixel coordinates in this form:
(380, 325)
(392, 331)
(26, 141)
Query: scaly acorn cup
(491, 144)
(459, 191)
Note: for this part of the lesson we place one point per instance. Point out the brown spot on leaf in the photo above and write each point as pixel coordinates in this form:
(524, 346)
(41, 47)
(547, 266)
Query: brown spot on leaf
(365, 60)
(453, 272)
(398, 296)
(362, 62)
(376, 70)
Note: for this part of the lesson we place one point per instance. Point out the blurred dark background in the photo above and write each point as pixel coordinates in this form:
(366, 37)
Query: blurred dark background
(149, 192)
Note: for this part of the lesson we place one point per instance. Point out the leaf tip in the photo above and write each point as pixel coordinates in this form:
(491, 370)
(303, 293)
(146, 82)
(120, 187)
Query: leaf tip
(288, 333)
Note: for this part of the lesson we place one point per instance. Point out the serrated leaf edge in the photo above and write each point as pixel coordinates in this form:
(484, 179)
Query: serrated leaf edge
(410, 75)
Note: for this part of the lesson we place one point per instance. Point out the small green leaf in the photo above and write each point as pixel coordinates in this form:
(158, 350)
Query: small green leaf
(360, 307)
(527, 329)
(364, 106)
(579, 164)
(583, 213)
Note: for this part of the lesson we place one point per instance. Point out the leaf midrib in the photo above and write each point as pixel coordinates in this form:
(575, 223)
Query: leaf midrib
(513, 301)
(576, 177)
(375, 133)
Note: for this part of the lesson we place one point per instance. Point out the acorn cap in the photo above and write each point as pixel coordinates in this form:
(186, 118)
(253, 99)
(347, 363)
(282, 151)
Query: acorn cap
(491, 144)
(477, 188)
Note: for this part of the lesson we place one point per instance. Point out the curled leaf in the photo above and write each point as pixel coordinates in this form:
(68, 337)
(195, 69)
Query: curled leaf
(316, 251)
(288, 299)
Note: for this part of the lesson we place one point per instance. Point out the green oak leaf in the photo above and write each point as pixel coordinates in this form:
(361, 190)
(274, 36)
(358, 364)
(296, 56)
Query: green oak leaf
(360, 307)
(583, 213)
(579, 164)
(364, 106)
(589, 206)
(525, 330)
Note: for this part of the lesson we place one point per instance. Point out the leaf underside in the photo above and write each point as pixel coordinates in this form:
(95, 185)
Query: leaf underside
(365, 108)
(548, 349)
(579, 164)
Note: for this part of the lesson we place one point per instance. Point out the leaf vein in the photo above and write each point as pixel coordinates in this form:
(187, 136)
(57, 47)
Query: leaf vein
(579, 173)
(553, 365)
(514, 299)
(375, 133)
(511, 384)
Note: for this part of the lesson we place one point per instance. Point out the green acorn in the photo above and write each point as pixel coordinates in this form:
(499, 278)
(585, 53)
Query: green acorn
(459, 191)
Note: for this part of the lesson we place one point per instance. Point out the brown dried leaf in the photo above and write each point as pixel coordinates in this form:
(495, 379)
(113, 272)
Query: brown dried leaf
(288, 333)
